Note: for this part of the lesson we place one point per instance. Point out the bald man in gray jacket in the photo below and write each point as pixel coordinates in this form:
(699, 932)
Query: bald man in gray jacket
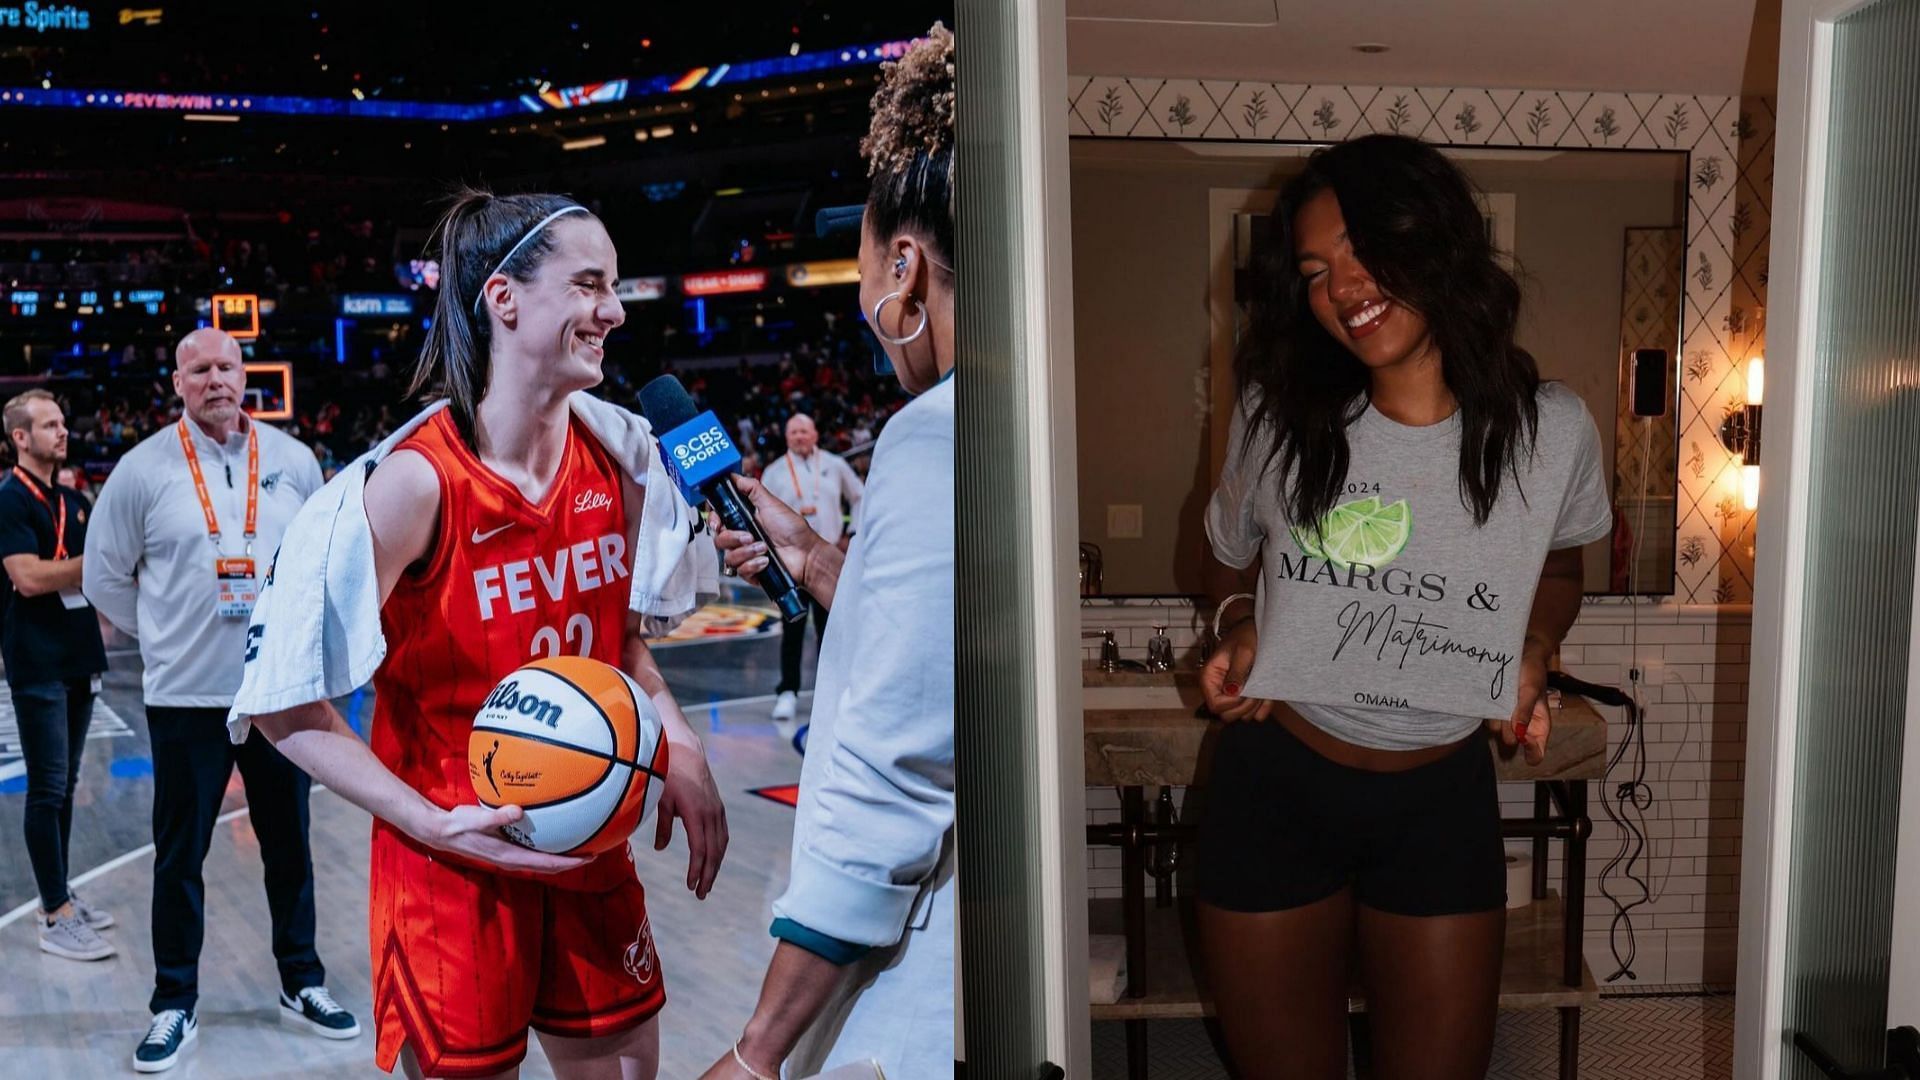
(186, 527)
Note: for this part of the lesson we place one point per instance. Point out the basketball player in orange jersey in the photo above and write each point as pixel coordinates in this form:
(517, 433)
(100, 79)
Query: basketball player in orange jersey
(475, 940)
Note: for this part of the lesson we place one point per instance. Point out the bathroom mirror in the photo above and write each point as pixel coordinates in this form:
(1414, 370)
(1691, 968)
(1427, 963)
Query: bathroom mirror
(1163, 233)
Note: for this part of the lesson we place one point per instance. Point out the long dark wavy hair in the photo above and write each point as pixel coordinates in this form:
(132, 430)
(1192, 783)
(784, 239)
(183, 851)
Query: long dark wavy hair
(1414, 224)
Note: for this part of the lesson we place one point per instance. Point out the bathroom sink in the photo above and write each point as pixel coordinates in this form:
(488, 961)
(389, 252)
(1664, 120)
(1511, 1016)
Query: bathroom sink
(1179, 688)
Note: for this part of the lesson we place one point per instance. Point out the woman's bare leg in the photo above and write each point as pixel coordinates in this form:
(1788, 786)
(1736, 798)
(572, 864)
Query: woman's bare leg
(1433, 987)
(631, 1055)
(1279, 982)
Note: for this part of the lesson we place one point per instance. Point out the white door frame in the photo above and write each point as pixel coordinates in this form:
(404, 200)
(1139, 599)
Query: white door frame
(1800, 154)
(1903, 979)
(1054, 488)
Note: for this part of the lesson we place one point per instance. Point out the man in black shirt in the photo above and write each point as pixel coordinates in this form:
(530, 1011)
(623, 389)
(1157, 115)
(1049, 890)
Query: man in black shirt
(50, 643)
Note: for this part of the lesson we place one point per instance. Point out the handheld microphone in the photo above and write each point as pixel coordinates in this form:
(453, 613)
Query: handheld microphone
(701, 460)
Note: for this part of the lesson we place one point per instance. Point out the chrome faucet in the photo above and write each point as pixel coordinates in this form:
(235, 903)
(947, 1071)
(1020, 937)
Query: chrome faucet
(1109, 649)
(1160, 650)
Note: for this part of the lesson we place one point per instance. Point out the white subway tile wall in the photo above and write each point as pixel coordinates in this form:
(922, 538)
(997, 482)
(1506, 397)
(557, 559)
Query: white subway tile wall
(1693, 661)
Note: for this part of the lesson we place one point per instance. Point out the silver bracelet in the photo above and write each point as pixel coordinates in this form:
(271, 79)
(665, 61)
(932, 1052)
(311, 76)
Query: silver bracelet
(742, 1062)
(1222, 609)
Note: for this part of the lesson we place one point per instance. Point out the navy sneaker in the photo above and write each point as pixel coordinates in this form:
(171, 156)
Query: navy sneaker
(170, 1032)
(316, 1009)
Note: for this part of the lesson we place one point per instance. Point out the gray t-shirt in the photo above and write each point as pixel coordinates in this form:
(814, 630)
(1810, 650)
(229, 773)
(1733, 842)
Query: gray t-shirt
(1400, 625)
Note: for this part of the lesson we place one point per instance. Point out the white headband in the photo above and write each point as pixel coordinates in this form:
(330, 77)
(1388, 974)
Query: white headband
(515, 250)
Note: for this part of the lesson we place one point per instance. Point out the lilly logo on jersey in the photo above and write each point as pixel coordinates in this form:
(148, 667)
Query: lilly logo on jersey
(591, 500)
(508, 699)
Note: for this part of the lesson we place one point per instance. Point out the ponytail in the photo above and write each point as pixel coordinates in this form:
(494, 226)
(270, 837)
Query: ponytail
(479, 232)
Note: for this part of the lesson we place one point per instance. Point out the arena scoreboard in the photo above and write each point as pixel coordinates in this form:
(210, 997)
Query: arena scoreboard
(238, 314)
(31, 302)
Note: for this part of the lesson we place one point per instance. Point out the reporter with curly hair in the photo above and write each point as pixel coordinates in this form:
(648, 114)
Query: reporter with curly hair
(863, 974)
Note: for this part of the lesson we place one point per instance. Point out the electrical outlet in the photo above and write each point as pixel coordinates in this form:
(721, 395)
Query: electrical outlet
(1125, 521)
(1653, 671)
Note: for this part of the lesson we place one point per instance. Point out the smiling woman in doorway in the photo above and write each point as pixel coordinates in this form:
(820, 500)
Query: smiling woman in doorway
(1397, 532)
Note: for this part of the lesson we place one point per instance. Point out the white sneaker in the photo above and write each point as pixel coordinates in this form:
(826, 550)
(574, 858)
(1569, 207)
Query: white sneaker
(787, 723)
(786, 705)
(92, 916)
(71, 937)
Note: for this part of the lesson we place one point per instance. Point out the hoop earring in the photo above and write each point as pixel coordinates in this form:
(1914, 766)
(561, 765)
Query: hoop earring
(881, 334)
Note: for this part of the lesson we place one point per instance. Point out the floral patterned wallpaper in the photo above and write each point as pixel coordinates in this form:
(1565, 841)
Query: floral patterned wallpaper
(1729, 143)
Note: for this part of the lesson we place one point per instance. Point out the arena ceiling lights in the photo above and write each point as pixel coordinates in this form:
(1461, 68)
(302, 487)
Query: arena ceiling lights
(547, 99)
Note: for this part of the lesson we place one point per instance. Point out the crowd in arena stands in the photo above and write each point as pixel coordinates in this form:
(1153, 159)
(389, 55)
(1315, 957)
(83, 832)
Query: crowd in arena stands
(341, 412)
(329, 249)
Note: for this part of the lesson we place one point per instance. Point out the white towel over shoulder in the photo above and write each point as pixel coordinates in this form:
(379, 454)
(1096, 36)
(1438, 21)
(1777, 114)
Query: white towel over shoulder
(315, 632)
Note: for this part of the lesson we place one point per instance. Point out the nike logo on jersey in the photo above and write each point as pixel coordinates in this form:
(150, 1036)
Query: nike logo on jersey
(582, 568)
(482, 537)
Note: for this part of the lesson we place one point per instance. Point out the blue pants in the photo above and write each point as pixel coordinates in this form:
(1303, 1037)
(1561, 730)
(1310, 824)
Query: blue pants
(53, 731)
(192, 760)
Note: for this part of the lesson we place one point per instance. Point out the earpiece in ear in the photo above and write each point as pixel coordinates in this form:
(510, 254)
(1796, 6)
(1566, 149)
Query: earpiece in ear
(900, 266)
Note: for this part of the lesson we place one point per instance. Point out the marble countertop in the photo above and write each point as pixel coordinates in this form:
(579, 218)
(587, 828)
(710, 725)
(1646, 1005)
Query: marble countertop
(1160, 742)
(1092, 676)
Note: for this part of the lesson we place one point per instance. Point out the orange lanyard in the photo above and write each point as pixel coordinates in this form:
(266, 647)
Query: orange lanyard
(798, 493)
(58, 508)
(200, 484)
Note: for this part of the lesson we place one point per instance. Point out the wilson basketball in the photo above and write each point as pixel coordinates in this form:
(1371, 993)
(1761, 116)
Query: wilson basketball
(575, 744)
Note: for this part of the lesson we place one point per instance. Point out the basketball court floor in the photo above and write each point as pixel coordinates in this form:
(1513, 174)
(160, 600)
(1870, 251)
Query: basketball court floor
(62, 1019)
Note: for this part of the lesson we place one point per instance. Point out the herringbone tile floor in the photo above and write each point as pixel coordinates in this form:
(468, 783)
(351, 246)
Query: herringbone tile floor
(1623, 1038)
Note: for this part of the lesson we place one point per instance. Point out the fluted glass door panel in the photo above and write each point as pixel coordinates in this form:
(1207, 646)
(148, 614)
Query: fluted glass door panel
(1863, 495)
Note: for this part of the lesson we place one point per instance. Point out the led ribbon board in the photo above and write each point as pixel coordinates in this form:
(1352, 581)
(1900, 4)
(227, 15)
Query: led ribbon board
(721, 282)
(395, 305)
(808, 275)
(546, 99)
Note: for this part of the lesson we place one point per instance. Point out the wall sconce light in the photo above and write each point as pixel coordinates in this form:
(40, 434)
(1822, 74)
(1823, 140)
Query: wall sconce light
(1740, 433)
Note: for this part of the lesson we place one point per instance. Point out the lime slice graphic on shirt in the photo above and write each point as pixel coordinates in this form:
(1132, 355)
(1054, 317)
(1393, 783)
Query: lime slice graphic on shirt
(1369, 533)
(1338, 522)
(1336, 525)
